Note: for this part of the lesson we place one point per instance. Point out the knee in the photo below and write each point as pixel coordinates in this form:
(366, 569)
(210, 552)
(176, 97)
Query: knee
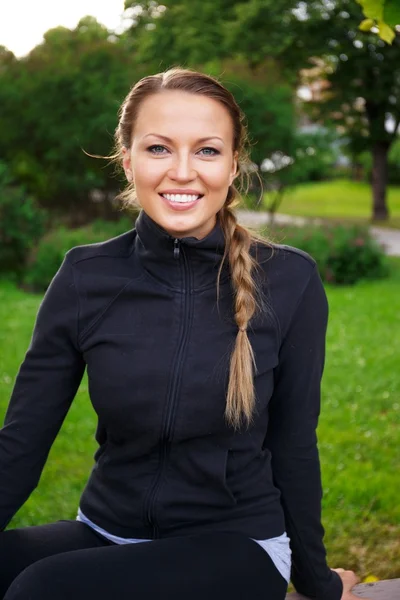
(39, 581)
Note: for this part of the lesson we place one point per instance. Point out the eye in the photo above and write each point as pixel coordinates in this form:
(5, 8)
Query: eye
(209, 151)
(156, 149)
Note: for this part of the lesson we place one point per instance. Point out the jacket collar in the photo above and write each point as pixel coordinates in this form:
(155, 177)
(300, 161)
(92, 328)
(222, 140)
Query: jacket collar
(166, 258)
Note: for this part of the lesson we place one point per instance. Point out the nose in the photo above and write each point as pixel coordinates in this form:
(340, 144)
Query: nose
(182, 169)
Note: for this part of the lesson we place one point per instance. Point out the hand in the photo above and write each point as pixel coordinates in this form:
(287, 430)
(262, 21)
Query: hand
(349, 579)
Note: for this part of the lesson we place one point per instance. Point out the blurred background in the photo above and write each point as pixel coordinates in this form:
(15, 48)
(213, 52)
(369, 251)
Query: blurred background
(319, 82)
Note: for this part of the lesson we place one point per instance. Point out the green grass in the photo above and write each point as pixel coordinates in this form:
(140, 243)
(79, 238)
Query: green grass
(358, 433)
(339, 200)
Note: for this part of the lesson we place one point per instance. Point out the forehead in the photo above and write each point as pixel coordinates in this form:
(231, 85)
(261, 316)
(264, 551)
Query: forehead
(176, 113)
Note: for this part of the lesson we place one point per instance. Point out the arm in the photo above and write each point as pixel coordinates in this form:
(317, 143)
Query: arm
(291, 437)
(45, 386)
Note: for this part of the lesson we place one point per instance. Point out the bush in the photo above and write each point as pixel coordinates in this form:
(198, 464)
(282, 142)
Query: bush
(47, 257)
(344, 254)
(22, 223)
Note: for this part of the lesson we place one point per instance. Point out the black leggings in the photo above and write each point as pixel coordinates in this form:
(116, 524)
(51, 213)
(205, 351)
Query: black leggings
(67, 560)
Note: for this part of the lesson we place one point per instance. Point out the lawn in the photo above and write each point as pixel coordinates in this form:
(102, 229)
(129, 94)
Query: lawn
(338, 199)
(358, 434)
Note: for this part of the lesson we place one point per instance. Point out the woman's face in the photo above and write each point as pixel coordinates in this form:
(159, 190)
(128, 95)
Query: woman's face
(181, 161)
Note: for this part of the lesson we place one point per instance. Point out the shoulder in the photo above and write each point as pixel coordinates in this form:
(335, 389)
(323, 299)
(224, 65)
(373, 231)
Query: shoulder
(289, 277)
(284, 252)
(284, 262)
(120, 246)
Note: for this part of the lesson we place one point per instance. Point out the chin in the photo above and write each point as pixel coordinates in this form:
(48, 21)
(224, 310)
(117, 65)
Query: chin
(181, 226)
(182, 231)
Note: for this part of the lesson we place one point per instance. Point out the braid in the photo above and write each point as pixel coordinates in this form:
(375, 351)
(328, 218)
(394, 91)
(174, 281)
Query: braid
(240, 397)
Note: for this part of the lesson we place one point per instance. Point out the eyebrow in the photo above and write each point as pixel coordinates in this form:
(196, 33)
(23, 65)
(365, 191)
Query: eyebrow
(201, 140)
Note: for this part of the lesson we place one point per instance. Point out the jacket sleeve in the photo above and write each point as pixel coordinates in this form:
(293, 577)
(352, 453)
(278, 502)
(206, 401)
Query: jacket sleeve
(45, 386)
(292, 440)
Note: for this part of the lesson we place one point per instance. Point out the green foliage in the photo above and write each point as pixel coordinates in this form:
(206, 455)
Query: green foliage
(314, 156)
(383, 14)
(191, 33)
(22, 223)
(344, 254)
(49, 254)
(183, 33)
(270, 115)
(61, 99)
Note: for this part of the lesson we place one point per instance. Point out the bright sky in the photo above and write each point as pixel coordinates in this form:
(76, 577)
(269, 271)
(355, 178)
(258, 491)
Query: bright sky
(23, 22)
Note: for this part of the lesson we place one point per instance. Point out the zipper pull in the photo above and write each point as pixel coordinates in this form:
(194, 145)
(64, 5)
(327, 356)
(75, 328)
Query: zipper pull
(176, 248)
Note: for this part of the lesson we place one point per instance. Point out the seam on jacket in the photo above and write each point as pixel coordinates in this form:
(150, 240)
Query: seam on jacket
(102, 252)
(90, 326)
(305, 554)
(176, 289)
(270, 311)
(147, 273)
(209, 286)
(310, 259)
(78, 304)
(100, 255)
(287, 511)
(300, 298)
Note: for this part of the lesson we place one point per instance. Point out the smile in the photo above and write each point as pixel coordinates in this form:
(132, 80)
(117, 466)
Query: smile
(181, 198)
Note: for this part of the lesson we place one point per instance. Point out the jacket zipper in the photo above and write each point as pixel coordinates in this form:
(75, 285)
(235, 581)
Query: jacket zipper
(166, 435)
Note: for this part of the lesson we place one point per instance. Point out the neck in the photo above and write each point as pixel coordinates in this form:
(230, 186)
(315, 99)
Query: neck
(165, 256)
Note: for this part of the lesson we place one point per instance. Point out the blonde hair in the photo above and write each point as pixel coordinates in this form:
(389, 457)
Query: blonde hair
(240, 401)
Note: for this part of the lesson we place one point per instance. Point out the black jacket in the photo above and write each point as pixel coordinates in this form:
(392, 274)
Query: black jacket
(140, 312)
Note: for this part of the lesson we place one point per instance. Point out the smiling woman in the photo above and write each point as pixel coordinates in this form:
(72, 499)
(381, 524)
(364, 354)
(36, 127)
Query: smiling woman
(173, 171)
(179, 181)
(204, 347)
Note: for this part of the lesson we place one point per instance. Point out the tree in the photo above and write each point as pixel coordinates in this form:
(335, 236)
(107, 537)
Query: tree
(355, 82)
(60, 99)
(192, 33)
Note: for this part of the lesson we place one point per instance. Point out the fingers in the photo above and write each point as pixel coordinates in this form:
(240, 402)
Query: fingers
(349, 579)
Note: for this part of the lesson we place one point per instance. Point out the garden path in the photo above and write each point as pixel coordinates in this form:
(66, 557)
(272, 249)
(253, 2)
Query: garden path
(390, 238)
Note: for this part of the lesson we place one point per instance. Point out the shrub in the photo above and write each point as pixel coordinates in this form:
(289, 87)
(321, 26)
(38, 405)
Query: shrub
(22, 223)
(344, 254)
(47, 257)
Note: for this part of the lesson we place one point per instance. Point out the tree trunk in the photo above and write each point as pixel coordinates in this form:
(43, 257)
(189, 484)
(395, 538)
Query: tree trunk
(380, 180)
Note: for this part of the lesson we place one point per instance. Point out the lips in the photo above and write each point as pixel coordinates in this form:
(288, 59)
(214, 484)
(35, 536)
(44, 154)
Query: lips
(181, 201)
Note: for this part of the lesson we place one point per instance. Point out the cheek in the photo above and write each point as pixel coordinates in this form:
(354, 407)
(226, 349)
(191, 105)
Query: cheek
(217, 176)
(147, 173)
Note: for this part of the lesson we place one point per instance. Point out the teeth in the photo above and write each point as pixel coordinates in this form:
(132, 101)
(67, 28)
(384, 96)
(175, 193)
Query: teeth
(181, 197)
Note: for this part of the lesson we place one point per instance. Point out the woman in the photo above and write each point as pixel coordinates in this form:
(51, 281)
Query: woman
(204, 348)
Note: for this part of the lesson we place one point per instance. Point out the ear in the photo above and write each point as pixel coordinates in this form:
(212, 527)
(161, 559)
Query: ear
(127, 164)
(234, 171)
